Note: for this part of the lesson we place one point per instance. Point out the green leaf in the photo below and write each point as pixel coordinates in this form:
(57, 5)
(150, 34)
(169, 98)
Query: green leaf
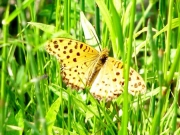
(52, 113)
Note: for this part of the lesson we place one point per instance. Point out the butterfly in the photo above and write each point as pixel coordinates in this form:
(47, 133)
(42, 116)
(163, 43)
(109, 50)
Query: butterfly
(83, 66)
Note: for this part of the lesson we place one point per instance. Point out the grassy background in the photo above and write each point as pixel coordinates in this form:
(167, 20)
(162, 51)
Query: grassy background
(33, 99)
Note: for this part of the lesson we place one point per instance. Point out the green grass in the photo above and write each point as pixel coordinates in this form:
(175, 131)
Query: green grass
(33, 99)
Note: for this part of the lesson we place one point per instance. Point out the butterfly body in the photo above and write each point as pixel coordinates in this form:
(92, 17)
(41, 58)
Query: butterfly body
(83, 66)
(99, 62)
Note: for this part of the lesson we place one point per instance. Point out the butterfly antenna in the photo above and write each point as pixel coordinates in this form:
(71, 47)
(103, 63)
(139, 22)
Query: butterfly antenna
(98, 42)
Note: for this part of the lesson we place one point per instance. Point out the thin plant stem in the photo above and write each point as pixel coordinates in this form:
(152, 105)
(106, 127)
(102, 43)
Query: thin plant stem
(127, 67)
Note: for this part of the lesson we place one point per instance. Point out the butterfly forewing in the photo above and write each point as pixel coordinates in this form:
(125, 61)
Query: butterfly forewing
(76, 59)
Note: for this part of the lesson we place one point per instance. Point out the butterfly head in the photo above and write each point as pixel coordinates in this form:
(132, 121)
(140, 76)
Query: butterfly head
(104, 55)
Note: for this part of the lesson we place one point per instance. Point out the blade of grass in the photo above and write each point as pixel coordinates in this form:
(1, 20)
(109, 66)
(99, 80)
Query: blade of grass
(156, 119)
(145, 14)
(33, 67)
(3, 72)
(175, 108)
(170, 77)
(58, 11)
(67, 15)
(16, 12)
(127, 67)
(82, 4)
(152, 46)
(168, 41)
(118, 48)
(176, 60)
(108, 20)
(97, 19)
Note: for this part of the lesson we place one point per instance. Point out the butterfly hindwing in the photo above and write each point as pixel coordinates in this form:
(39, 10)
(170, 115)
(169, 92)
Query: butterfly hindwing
(109, 82)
